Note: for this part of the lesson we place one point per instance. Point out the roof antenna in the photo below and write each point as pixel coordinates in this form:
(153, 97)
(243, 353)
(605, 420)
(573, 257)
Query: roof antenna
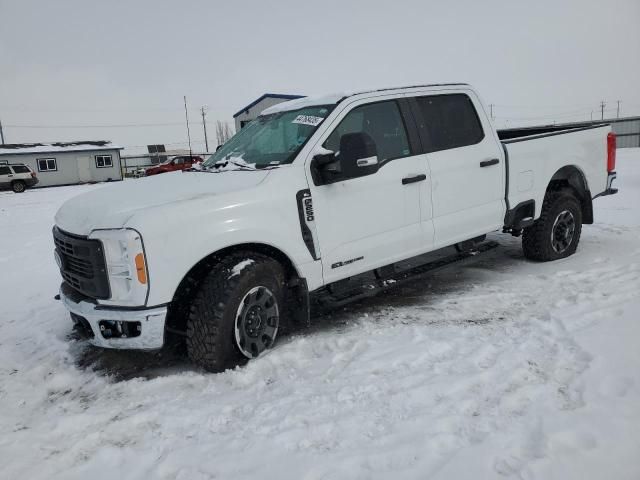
(186, 116)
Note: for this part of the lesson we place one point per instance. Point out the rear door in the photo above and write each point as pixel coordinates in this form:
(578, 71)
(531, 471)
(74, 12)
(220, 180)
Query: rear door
(467, 166)
(21, 172)
(370, 221)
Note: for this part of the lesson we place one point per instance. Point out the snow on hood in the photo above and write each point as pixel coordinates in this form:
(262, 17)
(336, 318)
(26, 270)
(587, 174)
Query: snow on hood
(113, 205)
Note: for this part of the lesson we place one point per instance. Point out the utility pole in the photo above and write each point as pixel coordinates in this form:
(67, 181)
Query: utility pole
(592, 115)
(186, 116)
(1, 133)
(204, 125)
(602, 104)
(491, 110)
(618, 110)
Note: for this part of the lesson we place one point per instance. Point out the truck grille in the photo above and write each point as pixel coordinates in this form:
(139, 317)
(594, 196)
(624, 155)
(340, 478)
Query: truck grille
(82, 264)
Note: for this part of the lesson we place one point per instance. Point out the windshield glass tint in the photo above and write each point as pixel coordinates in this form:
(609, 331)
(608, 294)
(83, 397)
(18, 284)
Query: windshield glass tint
(271, 139)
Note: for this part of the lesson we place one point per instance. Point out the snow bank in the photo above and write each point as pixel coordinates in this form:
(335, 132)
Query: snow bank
(498, 368)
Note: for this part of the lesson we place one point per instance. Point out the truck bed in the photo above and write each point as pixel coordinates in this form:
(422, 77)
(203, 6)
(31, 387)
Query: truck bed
(521, 133)
(535, 155)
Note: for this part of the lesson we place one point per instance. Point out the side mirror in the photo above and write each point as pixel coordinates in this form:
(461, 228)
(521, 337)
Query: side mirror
(325, 168)
(358, 155)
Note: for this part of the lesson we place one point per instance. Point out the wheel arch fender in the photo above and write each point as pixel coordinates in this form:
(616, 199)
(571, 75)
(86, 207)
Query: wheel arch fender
(298, 295)
(571, 176)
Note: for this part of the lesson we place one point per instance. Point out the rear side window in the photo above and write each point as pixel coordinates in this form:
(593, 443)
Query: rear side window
(4, 171)
(450, 121)
(382, 121)
(20, 169)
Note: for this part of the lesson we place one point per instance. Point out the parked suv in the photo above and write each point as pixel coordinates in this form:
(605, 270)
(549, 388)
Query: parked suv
(318, 198)
(17, 177)
(182, 162)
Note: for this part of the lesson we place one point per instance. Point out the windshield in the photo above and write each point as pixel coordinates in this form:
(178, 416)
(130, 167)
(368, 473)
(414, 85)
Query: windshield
(271, 140)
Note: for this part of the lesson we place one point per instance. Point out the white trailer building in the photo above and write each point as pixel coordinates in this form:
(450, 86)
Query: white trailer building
(67, 163)
(251, 111)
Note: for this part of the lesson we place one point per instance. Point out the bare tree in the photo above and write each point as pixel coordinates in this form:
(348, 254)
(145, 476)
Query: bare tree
(228, 132)
(223, 132)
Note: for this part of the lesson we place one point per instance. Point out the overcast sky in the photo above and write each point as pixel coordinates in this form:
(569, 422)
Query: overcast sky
(76, 63)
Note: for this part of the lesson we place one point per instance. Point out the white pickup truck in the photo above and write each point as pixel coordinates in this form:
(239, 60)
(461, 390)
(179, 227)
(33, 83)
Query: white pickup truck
(313, 194)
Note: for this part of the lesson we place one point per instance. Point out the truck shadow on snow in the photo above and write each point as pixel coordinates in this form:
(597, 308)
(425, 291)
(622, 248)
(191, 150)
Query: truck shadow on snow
(422, 290)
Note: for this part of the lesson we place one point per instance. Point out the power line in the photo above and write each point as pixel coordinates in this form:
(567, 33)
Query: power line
(22, 108)
(186, 116)
(127, 125)
(204, 125)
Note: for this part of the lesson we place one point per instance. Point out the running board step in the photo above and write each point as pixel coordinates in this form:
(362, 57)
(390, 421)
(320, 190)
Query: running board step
(332, 297)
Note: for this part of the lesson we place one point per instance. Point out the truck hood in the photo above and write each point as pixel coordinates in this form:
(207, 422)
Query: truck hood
(114, 205)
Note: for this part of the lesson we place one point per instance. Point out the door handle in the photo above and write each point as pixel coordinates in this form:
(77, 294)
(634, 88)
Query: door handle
(488, 163)
(414, 179)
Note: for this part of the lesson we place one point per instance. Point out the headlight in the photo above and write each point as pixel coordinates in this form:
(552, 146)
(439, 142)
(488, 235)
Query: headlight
(126, 266)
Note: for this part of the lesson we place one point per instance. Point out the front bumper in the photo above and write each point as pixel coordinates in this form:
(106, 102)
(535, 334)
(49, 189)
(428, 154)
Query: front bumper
(118, 328)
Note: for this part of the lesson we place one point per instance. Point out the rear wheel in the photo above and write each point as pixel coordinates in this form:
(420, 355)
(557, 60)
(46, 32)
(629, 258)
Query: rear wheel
(18, 186)
(556, 233)
(236, 313)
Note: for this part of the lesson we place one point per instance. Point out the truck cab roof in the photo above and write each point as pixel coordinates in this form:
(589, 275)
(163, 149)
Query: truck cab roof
(336, 98)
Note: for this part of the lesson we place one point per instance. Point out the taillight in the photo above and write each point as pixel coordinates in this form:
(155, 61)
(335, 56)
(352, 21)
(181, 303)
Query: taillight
(33, 174)
(611, 152)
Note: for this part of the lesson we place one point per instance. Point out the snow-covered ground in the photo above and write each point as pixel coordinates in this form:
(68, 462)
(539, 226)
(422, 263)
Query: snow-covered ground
(498, 368)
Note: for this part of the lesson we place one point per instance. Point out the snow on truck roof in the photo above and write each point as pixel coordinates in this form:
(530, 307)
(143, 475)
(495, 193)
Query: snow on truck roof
(58, 147)
(331, 99)
(266, 95)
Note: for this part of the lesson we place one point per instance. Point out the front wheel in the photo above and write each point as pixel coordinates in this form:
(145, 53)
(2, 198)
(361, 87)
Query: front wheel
(236, 313)
(556, 233)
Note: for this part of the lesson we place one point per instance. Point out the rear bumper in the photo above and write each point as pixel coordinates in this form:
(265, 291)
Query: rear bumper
(30, 182)
(610, 190)
(118, 328)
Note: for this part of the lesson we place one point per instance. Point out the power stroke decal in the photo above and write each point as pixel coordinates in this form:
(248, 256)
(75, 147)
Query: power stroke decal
(346, 262)
(307, 221)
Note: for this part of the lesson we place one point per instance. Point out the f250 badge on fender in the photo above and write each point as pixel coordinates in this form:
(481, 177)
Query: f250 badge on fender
(307, 222)
(308, 208)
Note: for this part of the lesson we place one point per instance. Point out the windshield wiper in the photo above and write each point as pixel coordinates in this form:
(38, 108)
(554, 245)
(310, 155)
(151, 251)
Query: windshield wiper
(223, 163)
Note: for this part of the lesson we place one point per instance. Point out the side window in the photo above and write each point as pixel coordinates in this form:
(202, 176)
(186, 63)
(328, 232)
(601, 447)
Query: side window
(450, 121)
(178, 160)
(103, 161)
(20, 169)
(382, 121)
(4, 170)
(47, 165)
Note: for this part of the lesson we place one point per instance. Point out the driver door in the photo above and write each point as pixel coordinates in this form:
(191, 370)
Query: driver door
(177, 163)
(368, 221)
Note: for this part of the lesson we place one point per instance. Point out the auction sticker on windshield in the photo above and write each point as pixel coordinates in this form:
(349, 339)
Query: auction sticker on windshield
(308, 120)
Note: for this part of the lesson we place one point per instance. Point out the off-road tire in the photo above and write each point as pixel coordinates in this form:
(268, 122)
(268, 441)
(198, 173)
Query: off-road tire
(211, 325)
(537, 239)
(18, 186)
